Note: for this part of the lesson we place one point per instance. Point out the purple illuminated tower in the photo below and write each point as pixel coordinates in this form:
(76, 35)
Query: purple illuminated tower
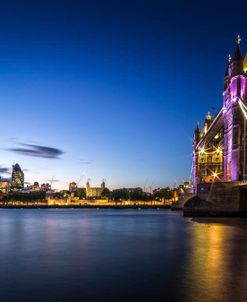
(219, 148)
(235, 84)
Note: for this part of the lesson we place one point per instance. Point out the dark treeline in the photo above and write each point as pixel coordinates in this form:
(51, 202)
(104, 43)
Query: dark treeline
(117, 195)
(25, 196)
(122, 194)
(136, 194)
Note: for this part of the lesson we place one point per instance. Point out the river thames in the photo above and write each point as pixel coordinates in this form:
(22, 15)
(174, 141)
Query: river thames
(120, 255)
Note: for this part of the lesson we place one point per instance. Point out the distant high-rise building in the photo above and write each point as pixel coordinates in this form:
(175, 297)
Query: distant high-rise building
(45, 187)
(17, 181)
(72, 187)
(36, 186)
(4, 185)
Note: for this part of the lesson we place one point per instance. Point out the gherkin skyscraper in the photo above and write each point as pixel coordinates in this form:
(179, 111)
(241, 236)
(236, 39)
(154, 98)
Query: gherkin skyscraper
(17, 181)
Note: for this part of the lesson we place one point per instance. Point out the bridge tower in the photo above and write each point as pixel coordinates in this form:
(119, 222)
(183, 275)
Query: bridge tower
(235, 89)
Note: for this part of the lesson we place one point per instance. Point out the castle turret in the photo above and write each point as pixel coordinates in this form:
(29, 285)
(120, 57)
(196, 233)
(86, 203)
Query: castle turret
(207, 123)
(103, 184)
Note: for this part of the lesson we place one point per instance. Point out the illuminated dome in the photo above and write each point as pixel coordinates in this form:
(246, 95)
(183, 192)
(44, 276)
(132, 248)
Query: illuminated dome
(208, 116)
(245, 63)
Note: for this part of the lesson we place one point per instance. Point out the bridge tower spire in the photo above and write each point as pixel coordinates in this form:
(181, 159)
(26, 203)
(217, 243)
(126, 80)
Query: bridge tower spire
(237, 62)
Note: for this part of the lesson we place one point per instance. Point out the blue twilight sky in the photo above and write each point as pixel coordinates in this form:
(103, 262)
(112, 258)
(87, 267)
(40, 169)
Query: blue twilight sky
(117, 86)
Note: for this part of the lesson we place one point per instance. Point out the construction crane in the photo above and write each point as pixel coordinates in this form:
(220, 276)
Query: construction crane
(80, 179)
(51, 181)
(151, 187)
(145, 185)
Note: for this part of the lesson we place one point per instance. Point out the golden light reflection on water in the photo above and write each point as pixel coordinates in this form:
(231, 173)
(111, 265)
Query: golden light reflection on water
(216, 264)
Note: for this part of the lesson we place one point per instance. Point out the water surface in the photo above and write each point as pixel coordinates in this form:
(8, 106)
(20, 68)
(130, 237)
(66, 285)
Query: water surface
(120, 255)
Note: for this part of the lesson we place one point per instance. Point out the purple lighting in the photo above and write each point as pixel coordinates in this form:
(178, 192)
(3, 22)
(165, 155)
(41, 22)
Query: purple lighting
(231, 121)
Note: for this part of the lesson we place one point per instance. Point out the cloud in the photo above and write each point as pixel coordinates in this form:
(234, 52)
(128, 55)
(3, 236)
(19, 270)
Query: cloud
(51, 180)
(85, 161)
(13, 139)
(5, 178)
(4, 170)
(37, 151)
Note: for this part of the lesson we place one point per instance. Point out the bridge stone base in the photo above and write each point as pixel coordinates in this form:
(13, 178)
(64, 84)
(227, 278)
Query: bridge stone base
(179, 205)
(218, 199)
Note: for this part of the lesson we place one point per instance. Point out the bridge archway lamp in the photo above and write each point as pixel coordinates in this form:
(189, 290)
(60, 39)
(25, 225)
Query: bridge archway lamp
(244, 110)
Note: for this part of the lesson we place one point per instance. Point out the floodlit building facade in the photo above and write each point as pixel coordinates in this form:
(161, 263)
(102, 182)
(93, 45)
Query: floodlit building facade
(94, 192)
(72, 187)
(4, 185)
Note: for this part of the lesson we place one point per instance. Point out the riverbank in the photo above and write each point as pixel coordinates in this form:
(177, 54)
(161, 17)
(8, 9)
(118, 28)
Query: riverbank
(87, 206)
(76, 203)
(220, 199)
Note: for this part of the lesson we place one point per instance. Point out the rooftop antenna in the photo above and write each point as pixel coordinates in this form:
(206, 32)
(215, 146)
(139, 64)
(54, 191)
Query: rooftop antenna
(145, 185)
(174, 183)
(51, 180)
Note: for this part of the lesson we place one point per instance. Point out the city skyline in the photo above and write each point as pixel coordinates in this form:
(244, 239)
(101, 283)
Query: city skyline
(90, 97)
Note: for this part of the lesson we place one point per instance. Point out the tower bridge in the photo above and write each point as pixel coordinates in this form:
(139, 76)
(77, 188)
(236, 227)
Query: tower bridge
(219, 148)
